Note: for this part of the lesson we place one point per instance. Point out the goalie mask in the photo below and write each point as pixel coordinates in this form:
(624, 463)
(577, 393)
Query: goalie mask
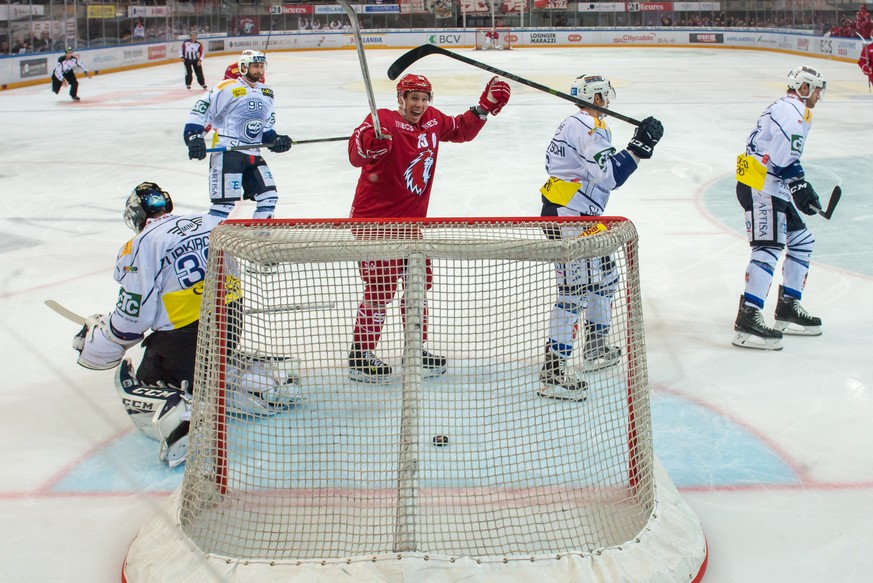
(586, 87)
(800, 75)
(147, 201)
(409, 83)
(248, 57)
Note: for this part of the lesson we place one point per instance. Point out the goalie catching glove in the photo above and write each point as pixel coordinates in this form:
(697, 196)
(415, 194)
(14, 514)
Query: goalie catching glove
(98, 346)
(805, 198)
(495, 96)
(371, 146)
(646, 136)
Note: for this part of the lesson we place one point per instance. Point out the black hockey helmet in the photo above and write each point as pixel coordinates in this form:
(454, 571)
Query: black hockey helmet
(146, 201)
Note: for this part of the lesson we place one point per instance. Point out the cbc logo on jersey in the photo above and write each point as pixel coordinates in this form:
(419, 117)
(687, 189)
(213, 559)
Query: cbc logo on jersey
(253, 129)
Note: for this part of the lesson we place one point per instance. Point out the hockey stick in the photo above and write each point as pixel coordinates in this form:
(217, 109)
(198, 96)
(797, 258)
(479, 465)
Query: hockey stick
(62, 311)
(293, 143)
(417, 53)
(832, 203)
(365, 71)
(292, 308)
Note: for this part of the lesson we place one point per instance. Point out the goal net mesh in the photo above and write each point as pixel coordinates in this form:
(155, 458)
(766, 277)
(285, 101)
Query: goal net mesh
(291, 460)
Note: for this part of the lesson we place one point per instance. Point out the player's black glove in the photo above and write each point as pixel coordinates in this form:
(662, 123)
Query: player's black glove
(281, 144)
(196, 146)
(805, 198)
(646, 136)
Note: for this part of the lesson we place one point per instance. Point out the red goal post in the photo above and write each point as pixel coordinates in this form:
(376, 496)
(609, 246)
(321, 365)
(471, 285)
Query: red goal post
(470, 474)
(503, 40)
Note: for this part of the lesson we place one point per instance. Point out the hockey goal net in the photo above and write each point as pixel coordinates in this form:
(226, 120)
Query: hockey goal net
(346, 478)
(493, 39)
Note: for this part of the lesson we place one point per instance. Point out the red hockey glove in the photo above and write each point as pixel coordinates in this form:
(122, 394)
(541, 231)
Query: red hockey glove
(495, 96)
(867, 69)
(372, 147)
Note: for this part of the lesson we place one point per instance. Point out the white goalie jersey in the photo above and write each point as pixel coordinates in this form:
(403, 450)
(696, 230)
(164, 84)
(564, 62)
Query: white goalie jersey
(161, 272)
(239, 113)
(583, 165)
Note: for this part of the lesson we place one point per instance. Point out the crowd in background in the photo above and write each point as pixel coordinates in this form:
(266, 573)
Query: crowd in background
(94, 32)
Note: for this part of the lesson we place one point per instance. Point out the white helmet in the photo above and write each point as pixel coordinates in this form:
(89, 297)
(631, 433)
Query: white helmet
(800, 75)
(249, 56)
(585, 87)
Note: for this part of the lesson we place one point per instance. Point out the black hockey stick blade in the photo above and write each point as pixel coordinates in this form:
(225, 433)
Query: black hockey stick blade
(410, 57)
(832, 203)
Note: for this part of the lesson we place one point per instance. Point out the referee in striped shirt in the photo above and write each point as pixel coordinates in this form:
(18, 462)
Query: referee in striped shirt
(191, 52)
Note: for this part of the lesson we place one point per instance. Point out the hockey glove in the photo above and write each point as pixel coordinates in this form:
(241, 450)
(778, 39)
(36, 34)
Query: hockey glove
(196, 146)
(646, 136)
(99, 348)
(281, 144)
(805, 198)
(372, 147)
(495, 96)
(867, 69)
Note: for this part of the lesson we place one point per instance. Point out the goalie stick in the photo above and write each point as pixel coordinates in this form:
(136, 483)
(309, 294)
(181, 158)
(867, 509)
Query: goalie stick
(293, 143)
(832, 203)
(365, 71)
(68, 314)
(409, 57)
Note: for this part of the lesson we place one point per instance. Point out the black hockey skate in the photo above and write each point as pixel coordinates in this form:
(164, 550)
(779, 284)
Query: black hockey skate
(792, 319)
(560, 381)
(598, 354)
(366, 367)
(752, 332)
(433, 365)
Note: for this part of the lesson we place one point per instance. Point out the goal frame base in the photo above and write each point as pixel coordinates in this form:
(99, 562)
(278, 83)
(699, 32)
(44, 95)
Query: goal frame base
(670, 548)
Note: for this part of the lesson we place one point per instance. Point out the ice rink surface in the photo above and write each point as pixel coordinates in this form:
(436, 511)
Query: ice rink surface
(774, 451)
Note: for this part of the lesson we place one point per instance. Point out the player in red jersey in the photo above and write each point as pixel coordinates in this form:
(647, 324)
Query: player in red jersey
(233, 72)
(397, 171)
(865, 61)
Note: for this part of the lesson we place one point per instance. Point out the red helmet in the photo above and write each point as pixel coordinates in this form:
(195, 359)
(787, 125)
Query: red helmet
(409, 83)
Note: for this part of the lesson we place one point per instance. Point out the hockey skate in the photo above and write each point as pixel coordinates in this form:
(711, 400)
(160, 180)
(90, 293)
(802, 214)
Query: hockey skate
(752, 332)
(366, 367)
(598, 354)
(793, 320)
(433, 365)
(560, 381)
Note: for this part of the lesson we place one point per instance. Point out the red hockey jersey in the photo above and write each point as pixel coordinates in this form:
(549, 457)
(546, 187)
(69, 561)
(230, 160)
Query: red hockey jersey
(399, 184)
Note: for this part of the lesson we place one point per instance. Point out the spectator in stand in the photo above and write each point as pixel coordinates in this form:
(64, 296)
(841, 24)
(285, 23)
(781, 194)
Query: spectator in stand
(139, 31)
(45, 43)
(4, 47)
(862, 22)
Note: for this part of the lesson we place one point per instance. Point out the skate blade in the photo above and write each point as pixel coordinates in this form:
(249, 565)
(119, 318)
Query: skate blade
(791, 329)
(561, 394)
(369, 379)
(600, 364)
(436, 371)
(744, 340)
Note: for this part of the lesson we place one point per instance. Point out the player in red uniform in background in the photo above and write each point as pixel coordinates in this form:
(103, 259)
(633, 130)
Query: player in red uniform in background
(865, 61)
(397, 171)
(233, 72)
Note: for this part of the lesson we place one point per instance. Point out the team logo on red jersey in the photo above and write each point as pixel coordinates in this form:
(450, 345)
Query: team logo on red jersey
(418, 173)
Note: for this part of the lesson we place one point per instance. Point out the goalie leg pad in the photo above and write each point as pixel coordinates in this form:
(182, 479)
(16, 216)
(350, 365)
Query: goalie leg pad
(171, 424)
(263, 385)
(142, 402)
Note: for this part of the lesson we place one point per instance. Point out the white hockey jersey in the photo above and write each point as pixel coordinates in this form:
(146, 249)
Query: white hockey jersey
(64, 66)
(239, 113)
(777, 143)
(584, 166)
(161, 272)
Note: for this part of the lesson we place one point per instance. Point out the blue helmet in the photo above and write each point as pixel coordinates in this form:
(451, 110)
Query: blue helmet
(146, 201)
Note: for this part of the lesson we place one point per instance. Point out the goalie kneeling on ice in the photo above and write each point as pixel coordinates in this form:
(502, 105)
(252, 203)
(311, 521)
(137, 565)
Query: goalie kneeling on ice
(262, 385)
(161, 412)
